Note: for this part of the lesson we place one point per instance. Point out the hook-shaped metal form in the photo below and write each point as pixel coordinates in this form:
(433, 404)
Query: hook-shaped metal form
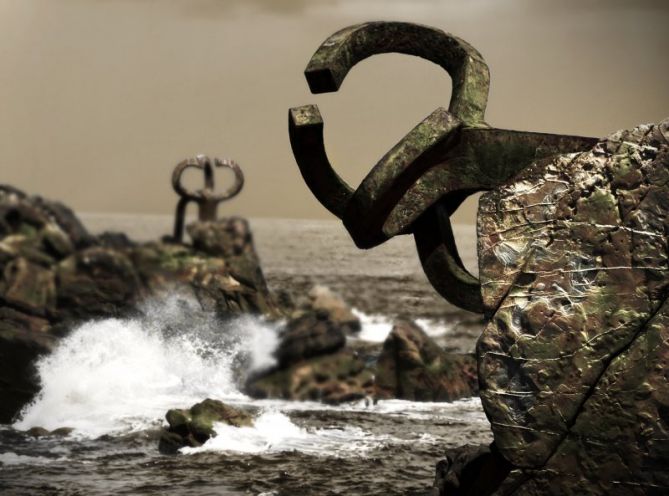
(422, 180)
(206, 198)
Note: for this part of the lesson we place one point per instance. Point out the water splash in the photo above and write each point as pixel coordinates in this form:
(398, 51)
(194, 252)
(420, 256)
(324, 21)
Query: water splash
(115, 375)
(274, 432)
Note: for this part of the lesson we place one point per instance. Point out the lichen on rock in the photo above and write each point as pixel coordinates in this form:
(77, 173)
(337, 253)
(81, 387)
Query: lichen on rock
(194, 426)
(574, 267)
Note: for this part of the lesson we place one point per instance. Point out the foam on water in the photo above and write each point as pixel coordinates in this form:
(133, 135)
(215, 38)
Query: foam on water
(273, 431)
(116, 375)
(11, 458)
(375, 328)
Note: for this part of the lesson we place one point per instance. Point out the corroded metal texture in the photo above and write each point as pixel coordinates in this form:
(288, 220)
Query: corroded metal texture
(420, 182)
(206, 198)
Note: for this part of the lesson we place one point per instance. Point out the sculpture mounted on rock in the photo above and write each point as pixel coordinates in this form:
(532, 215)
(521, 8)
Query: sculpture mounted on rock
(206, 198)
(573, 257)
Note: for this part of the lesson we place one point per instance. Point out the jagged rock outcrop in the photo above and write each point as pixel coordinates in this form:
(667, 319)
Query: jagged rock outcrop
(194, 426)
(313, 364)
(413, 367)
(573, 365)
(54, 274)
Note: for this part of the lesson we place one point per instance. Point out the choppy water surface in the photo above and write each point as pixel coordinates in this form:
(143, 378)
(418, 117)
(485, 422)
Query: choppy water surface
(112, 381)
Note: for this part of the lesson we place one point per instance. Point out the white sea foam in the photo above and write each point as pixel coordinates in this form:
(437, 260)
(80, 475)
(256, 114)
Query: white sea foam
(375, 328)
(274, 432)
(117, 375)
(11, 458)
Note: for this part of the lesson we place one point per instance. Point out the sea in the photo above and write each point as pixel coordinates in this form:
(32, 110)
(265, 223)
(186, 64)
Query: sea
(110, 383)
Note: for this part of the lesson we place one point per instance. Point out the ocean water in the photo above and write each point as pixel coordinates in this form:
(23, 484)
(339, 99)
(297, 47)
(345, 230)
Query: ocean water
(111, 382)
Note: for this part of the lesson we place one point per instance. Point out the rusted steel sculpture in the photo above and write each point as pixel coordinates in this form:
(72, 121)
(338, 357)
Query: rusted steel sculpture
(573, 257)
(206, 199)
(422, 180)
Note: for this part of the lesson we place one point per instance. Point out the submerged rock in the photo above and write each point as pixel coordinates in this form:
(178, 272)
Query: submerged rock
(413, 367)
(194, 426)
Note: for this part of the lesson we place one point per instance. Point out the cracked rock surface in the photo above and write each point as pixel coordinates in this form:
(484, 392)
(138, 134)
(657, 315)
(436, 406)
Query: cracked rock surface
(573, 365)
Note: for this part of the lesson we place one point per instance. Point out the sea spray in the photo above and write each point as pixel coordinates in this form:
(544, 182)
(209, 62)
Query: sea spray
(274, 432)
(117, 375)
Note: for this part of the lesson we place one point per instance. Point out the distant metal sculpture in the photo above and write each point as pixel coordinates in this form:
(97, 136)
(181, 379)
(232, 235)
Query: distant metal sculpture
(206, 198)
(420, 182)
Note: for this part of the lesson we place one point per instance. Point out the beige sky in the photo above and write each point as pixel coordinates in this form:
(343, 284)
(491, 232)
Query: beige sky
(99, 99)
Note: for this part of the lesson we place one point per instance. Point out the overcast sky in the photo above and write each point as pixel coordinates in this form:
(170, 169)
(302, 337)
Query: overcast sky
(99, 99)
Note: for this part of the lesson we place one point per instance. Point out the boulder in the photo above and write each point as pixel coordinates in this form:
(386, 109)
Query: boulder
(313, 364)
(96, 281)
(323, 300)
(413, 367)
(334, 378)
(471, 471)
(309, 335)
(23, 338)
(193, 427)
(574, 260)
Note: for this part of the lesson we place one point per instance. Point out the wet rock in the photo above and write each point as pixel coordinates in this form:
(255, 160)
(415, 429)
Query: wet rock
(413, 367)
(164, 267)
(574, 262)
(23, 338)
(307, 336)
(471, 471)
(194, 426)
(37, 432)
(323, 300)
(97, 282)
(333, 378)
(28, 287)
(313, 364)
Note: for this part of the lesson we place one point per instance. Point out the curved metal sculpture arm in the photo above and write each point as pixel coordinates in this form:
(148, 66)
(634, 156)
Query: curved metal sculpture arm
(305, 127)
(232, 190)
(340, 52)
(441, 262)
(200, 162)
(396, 173)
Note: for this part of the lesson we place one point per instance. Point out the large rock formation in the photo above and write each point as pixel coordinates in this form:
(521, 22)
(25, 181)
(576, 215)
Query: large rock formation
(573, 365)
(413, 367)
(314, 364)
(54, 274)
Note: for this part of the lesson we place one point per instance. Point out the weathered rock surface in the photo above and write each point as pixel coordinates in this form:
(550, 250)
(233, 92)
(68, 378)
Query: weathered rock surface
(193, 427)
(574, 363)
(323, 300)
(309, 335)
(54, 274)
(334, 378)
(471, 471)
(413, 367)
(313, 364)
